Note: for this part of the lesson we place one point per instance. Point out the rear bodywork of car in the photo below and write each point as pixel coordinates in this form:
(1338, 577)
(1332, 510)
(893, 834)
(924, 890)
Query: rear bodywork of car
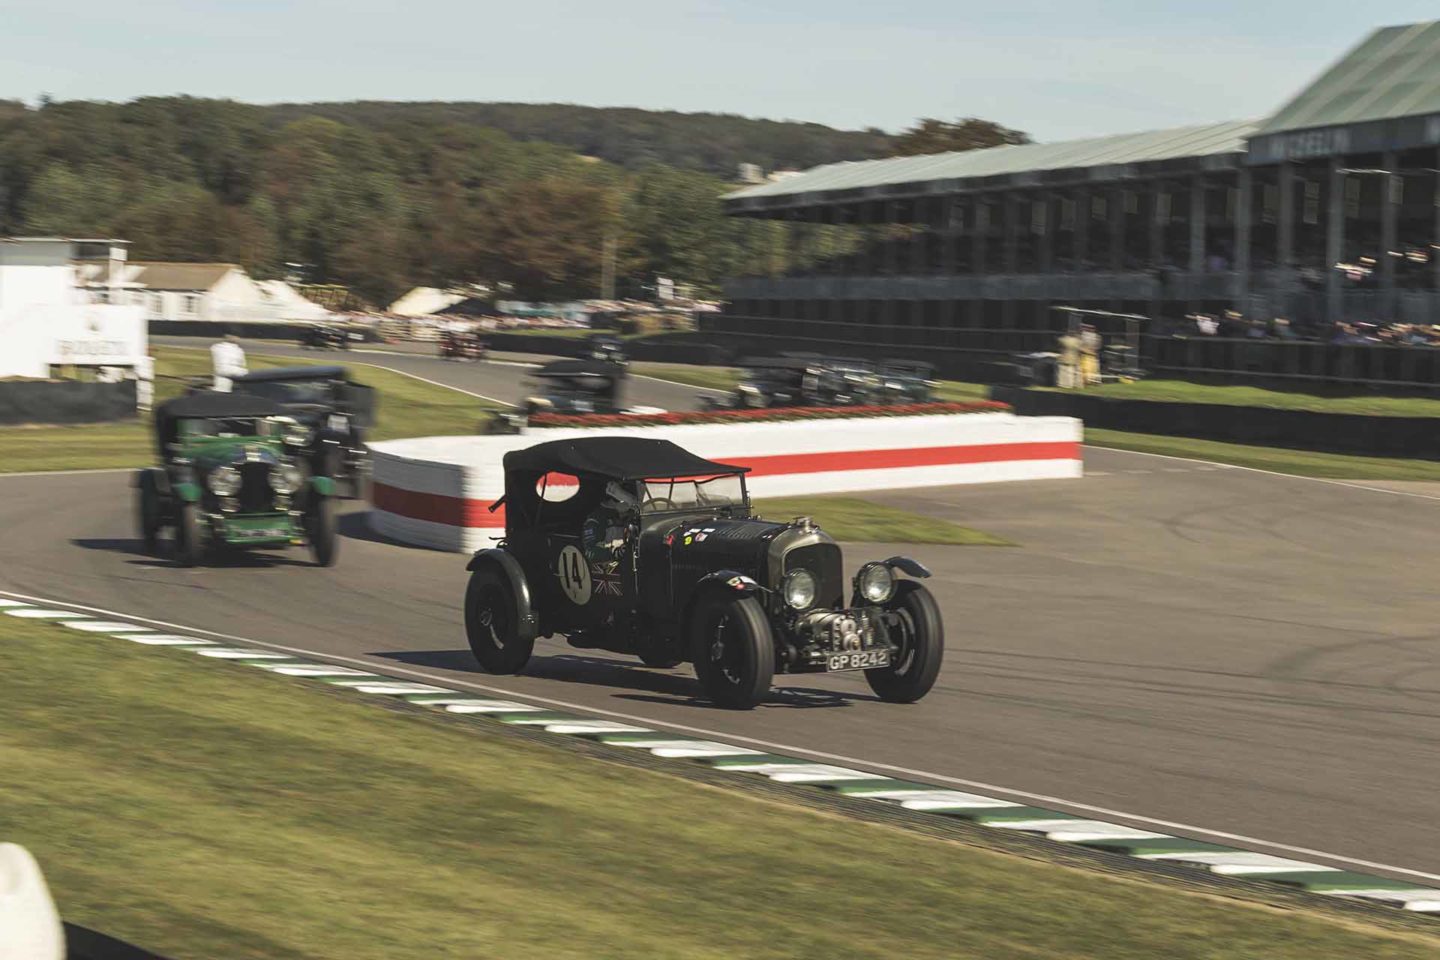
(577, 387)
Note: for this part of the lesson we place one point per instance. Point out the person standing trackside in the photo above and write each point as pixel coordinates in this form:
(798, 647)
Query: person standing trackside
(1090, 345)
(227, 358)
(144, 382)
(1068, 373)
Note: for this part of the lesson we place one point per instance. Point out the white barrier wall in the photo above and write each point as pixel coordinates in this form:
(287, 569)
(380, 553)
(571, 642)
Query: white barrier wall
(29, 924)
(436, 491)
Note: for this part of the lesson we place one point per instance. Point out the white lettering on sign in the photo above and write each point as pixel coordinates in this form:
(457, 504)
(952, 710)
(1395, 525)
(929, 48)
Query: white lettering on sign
(574, 575)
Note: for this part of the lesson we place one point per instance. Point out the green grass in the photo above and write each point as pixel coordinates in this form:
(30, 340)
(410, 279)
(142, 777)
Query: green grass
(864, 521)
(408, 408)
(1302, 463)
(202, 809)
(693, 375)
(957, 391)
(1182, 391)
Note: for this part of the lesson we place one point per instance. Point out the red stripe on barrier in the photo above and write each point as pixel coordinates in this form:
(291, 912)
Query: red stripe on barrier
(460, 512)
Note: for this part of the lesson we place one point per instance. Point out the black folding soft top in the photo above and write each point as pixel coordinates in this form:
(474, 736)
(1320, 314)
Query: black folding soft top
(619, 458)
(209, 404)
(294, 373)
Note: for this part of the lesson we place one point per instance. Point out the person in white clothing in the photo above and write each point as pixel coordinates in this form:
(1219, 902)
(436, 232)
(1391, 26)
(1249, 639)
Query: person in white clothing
(227, 358)
(144, 383)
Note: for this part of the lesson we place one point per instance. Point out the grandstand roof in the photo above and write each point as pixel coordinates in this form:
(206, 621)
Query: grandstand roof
(1128, 148)
(1394, 72)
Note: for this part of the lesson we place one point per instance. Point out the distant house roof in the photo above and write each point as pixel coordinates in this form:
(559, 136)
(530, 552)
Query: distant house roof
(180, 276)
(1394, 72)
(1129, 148)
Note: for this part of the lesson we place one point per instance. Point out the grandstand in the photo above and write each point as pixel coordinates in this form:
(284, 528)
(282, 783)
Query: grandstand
(1324, 213)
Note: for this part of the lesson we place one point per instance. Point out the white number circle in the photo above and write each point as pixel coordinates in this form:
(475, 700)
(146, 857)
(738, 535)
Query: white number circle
(574, 575)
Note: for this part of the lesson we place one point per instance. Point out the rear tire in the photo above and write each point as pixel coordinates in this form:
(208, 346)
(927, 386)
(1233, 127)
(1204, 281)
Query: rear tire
(147, 510)
(321, 531)
(188, 546)
(921, 639)
(492, 622)
(733, 651)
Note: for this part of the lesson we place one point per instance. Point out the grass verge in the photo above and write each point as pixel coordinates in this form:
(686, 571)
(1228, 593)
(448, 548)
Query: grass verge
(692, 375)
(408, 408)
(857, 520)
(207, 810)
(1181, 391)
(1301, 463)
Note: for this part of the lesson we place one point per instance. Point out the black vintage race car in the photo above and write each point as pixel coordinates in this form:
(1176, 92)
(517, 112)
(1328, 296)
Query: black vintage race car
(234, 473)
(335, 413)
(463, 345)
(637, 546)
(607, 349)
(906, 381)
(577, 386)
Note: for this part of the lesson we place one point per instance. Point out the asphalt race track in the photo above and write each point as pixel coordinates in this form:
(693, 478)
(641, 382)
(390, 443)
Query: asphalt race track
(505, 381)
(1202, 645)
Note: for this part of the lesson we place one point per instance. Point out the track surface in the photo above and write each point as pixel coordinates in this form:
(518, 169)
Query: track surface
(506, 381)
(1199, 644)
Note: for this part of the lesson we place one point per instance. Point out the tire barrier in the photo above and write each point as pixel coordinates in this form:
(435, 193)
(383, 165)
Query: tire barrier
(65, 401)
(1357, 434)
(436, 491)
(29, 923)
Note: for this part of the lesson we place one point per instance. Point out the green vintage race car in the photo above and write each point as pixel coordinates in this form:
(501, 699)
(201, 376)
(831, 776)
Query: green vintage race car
(233, 473)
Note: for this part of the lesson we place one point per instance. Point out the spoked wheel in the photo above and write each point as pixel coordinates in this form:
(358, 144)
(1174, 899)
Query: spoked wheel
(734, 651)
(492, 623)
(921, 641)
(147, 512)
(188, 545)
(321, 529)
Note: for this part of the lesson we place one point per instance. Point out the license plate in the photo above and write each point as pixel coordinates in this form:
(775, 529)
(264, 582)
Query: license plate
(262, 533)
(857, 660)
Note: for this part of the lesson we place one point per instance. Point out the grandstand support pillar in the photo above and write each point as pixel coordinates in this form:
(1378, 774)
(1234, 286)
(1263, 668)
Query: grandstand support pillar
(1285, 254)
(890, 216)
(1435, 243)
(1083, 215)
(1334, 243)
(979, 234)
(1049, 222)
(1243, 204)
(1389, 220)
(953, 214)
(869, 264)
(1115, 208)
(1156, 238)
(1012, 233)
(1198, 208)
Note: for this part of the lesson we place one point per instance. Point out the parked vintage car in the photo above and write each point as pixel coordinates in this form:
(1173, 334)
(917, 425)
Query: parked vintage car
(234, 471)
(637, 546)
(577, 386)
(463, 345)
(906, 381)
(766, 382)
(332, 336)
(607, 349)
(335, 410)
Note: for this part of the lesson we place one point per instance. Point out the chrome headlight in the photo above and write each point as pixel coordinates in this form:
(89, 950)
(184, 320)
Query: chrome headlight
(298, 435)
(799, 589)
(286, 478)
(875, 582)
(224, 481)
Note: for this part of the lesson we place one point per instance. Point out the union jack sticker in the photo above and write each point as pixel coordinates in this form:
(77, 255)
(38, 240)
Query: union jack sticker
(605, 578)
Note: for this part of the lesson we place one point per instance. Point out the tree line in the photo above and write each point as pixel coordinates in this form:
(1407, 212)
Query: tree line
(380, 197)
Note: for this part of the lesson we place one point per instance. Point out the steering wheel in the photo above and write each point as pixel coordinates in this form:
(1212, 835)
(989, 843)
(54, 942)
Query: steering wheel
(652, 503)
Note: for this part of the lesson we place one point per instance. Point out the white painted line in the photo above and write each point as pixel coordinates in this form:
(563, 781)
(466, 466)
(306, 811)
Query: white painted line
(12, 603)
(1241, 863)
(678, 383)
(1422, 901)
(936, 800)
(687, 749)
(165, 640)
(523, 721)
(315, 670)
(799, 772)
(239, 653)
(1079, 831)
(63, 473)
(107, 626)
(593, 726)
(911, 773)
(41, 613)
(392, 688)
(493, 706)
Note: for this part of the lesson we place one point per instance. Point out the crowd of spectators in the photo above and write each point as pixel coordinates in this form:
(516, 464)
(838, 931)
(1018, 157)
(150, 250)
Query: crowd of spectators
(1233, 325)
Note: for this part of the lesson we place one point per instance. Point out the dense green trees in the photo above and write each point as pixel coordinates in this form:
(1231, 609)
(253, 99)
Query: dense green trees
(940, 136)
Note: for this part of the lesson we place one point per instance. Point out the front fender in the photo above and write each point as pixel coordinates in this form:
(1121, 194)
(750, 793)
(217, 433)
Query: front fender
(187, 491)
(323, 486)
(509, 567)
(907, 565)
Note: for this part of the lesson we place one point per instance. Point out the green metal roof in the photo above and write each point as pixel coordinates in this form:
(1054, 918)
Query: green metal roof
(1394, 72)
(1208, 140)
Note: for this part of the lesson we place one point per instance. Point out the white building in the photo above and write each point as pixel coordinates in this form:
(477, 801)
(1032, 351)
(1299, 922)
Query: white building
(50, 316)
(217, 292)
(424, 301)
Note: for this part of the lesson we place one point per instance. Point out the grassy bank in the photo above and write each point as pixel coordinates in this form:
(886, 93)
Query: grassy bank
(408, 408)
(202, 809)
(858, 520)
(1180, 391)
(1302, 463)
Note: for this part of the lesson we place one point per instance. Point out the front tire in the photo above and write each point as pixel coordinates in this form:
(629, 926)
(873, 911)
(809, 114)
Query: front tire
(921, 641)
(188, 545)
(733, 651)
(321, 529)
(492, 623)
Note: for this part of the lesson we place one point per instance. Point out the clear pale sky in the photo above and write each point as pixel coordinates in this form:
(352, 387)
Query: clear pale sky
(1057, 69)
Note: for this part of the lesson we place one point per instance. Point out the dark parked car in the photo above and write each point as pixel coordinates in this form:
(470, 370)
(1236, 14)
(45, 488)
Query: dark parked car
(637, 546)
(234, 472)
(463, 345)
(577, 386)
(906, 381)
(607, 349)
(334, 411)
(767, 382)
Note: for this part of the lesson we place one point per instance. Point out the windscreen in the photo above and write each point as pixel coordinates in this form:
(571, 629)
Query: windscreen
(659, 496)
(293, 391)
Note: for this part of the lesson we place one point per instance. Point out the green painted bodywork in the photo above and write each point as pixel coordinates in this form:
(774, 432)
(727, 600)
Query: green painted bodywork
(188, 492)
(324, 486)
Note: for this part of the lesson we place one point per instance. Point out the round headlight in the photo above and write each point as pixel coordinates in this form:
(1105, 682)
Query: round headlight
(876, 582)
(298, 435)
(224, 481)
(799, 587)
(286, 478)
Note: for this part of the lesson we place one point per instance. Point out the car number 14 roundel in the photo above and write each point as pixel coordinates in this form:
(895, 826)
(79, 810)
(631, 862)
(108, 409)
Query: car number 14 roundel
(574, 575)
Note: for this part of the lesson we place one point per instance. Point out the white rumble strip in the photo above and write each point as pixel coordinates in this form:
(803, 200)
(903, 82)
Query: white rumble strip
(930, 798)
